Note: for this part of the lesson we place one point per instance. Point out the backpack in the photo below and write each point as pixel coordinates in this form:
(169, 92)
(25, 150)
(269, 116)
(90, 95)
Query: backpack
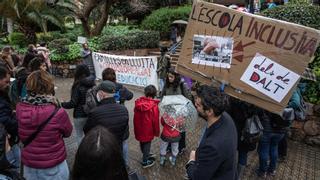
(117, 96)
(91, 100)
(300, 113)
(14, 92)
(252, 130)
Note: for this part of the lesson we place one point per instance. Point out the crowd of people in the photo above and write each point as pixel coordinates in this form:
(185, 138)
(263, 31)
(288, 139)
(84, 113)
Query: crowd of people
(34, 123)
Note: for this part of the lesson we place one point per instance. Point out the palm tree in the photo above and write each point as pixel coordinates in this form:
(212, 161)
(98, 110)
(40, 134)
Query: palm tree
(29, 13)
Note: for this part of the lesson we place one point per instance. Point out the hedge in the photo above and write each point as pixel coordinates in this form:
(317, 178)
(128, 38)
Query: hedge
(161, 19)
(307, 15)
(17, 38)
(132, 40)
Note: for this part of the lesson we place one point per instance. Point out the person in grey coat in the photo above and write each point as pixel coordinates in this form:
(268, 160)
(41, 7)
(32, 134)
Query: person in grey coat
(86, 54)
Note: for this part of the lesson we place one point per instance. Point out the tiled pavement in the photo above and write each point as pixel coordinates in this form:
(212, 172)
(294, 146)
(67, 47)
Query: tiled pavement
(303, 161)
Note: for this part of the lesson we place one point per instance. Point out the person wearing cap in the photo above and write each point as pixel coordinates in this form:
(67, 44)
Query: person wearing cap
(108, 113)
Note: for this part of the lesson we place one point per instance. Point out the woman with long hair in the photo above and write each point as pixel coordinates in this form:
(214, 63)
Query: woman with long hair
(99, 157)
(42, 126)
(174, 85)
(81, 84)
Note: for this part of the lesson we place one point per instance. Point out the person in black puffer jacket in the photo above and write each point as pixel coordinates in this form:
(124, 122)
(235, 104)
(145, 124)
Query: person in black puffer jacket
(82, 83)
(109, 114)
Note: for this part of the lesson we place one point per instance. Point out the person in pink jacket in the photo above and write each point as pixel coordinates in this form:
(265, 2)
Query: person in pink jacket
(45, 156)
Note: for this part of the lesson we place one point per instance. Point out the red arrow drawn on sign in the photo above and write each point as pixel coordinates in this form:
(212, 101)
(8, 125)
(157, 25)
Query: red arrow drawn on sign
(239, 48)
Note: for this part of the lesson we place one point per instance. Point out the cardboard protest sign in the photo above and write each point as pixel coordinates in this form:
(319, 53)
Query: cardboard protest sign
(82, 40)
(132, 70)
(223, 44)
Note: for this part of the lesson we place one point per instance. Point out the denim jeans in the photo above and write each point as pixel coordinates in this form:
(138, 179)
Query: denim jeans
(164, 145)
(268, 150)
(161, 84)
(125, 151)
(58, 172)
(242, 157)
(13, 156)
(78, 126)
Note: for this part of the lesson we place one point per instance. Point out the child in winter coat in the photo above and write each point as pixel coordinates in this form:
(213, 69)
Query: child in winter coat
(171, 136)
(146, 123)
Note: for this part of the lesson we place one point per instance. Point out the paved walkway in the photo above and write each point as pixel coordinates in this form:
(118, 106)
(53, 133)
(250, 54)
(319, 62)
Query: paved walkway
(303, 161)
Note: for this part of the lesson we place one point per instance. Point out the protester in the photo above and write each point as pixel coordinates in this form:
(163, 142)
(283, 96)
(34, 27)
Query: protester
(15, 57)
(30, 54)
(44, 51)
(169, 136)
(175, 86)
(44, 153)
(86, 54)
(82, 83)
(18, 86)
(174, 34)
(122, 92)
(215, 158)
(146, 123)
(6, 59)
(295, 103)
(37, 63)
(273, 132)
(9, 159)
(240, 111)
(108, 113)
(99, 157)
(163, 67)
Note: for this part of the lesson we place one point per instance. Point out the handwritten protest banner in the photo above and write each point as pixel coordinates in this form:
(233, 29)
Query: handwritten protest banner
(220, 43)
(132, 70)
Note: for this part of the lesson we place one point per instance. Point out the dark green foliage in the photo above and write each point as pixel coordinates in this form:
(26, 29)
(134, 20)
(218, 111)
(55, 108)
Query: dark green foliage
(161, 19)
(59, 45)
(306, 15)
(130, 40)
(42, 37)
(72, 54)
(17, 38)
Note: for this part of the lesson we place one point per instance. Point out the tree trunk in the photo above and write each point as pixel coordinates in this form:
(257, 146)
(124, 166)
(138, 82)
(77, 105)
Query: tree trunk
(9, 25)
(103, 20)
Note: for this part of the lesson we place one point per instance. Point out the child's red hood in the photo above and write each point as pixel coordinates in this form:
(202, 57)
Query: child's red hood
(145, 104)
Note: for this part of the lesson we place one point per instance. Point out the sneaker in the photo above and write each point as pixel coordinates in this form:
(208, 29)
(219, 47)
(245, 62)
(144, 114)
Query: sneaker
(261, 174)
(282, 159)
(272, 173)
(172, 160)
(151, 158)
(152, 155)
(162, 160)
(147, 164)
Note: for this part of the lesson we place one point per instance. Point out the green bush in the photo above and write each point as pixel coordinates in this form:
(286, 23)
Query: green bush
(59, 45)
(42, 37)
(306, 15)
(161, 19)
(132, 40)
(72, 54)
(17, 38)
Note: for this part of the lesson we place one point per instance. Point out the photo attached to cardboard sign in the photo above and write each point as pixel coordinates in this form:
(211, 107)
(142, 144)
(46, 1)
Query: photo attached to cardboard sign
(212, 51)
(269, 77)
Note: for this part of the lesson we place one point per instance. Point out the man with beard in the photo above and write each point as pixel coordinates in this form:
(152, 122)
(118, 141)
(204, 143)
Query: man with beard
(215, 158)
